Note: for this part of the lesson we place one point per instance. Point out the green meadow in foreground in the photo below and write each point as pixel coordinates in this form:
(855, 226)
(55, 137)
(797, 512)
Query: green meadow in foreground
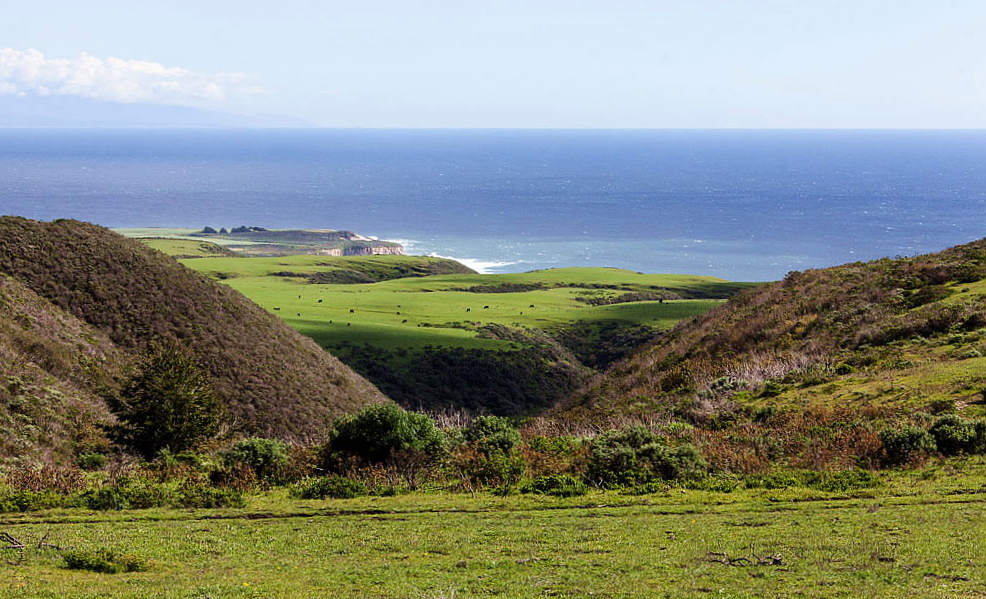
(919, 534)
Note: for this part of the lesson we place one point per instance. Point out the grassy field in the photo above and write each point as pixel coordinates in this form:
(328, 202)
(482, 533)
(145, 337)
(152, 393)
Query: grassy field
(410, 313)
(187, 248)
(920, 534)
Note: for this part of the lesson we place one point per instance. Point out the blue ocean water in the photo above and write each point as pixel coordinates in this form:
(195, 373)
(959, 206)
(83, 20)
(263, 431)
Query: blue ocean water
(742, 205)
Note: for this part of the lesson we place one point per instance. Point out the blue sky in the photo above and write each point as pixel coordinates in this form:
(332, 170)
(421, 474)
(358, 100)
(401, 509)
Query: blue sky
(510, 63)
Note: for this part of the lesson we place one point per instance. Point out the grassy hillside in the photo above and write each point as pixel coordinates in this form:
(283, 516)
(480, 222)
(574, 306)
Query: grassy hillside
(433, 334)
(272, 380)
(905, 332)
(53, 370)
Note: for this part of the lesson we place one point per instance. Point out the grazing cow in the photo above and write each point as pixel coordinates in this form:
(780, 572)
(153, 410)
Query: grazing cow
(299, 296)
(320, 301)
(398, 312)
(486, 307)
(349, 324)
(299, 314)
(468, 309)
(351, 311)
(404, 321)
(531, 306)
(276, 309)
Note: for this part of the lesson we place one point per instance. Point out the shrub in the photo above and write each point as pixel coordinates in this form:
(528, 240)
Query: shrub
(267, 457)
(954, 435)
(104, 561)
(772, 388)
(106, 498)
(379, 431)
(492, 433)
(558, 485)
(904, 444)
(334, 486)
(635, 455)
(201, 495)
(499, 470)
(29, 501)
(844, 369)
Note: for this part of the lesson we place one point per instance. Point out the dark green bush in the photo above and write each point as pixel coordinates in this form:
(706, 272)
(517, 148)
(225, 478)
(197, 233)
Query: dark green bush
(556, 485)
(30, 501)
(334, 486)
(106, 498)
(104, 561)
(954, 435)
(380, 431)
(267, 457)
(142, 494)
(492, 433)
(843, 369)
(635, 455)
(903, 444)
(201, 495)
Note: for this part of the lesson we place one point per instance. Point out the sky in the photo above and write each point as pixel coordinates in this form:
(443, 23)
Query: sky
(515, 64)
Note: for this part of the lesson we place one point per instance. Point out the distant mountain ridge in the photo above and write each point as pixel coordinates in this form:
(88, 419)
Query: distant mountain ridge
(120, 296)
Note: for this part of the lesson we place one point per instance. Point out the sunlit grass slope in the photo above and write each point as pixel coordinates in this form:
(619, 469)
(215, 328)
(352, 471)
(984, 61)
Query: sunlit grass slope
(448, 310)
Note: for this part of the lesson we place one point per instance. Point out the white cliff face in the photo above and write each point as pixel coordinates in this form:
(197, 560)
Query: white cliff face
(365, 250)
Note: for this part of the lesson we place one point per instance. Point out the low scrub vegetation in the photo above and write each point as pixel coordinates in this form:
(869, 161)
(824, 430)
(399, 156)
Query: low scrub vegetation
(385, 450)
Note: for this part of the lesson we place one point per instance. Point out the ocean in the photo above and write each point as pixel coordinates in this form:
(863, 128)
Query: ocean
(737, 204)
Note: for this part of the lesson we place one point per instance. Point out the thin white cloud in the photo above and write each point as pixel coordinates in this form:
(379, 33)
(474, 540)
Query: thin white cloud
(30, 72)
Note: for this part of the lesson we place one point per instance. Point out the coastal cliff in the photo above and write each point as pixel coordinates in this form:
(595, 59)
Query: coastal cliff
(365, 249)
(258, 241)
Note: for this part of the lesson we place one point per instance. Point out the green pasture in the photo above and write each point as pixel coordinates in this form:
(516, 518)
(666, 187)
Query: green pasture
(920, 534)
(185, 247)
(436, 310)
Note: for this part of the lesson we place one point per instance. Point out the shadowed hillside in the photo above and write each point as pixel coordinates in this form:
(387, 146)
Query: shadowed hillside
(53, 370)
(272, 380)
(846, 326)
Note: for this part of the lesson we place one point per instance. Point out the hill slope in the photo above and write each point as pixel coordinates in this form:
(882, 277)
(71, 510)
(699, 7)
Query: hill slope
(273, 380)
(865, 330)
(53, 370)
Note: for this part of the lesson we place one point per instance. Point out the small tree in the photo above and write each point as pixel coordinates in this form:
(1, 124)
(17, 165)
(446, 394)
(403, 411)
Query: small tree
(169, 403)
